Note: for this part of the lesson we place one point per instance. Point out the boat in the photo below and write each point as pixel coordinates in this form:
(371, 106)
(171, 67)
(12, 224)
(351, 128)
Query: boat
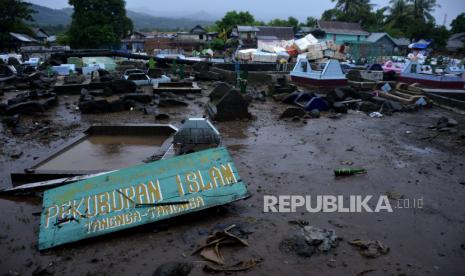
(413, 72)
(330, 76)
(374, 72)
(390, 66)
(455, 69)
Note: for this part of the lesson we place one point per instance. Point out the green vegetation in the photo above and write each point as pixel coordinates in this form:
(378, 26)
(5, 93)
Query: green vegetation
(13, 17)
(98, 23)
(402, 18)
(234, 18)
(458, 24)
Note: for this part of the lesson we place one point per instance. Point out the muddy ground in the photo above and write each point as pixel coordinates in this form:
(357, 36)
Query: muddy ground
(273, 157)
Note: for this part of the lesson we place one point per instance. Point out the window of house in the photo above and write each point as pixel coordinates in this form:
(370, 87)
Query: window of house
(334, 37)
(358, 38)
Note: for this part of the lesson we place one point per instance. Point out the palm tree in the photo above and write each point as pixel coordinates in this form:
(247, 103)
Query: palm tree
(399, 13)
(352, 7)
(422, 9)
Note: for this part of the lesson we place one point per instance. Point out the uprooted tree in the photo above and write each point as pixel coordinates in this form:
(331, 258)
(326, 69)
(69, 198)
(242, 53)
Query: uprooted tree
(98, 23)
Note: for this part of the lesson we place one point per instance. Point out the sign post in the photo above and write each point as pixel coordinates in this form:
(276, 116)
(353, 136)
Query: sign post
(139, 195)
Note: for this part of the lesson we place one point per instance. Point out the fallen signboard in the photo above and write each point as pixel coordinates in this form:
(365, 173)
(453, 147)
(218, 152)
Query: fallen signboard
(139, 195)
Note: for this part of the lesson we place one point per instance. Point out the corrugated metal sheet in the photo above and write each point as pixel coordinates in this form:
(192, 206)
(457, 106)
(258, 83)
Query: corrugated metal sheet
(245, 29)
(23, 37)
(281, 33)
(337, 27)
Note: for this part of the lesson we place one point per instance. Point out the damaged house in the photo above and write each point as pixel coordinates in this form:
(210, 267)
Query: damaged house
(249, 36)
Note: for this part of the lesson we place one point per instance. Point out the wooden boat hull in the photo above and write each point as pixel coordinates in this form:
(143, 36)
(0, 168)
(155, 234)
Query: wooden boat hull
(433, 83)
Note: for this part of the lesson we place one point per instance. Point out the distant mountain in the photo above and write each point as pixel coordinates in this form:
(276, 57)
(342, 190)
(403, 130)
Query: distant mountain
(192, 15)
(46, 16)
(146, 21)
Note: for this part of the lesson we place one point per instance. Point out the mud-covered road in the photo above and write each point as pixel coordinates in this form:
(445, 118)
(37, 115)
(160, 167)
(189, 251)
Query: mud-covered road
(274, 157)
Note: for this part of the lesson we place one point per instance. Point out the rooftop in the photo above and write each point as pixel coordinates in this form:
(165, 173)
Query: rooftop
(23, 37)
(281, 33)
(402, 41)
(247, 29)
(338, 27)
(375, 37)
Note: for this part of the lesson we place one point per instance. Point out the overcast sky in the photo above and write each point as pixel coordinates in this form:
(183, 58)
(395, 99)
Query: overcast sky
(261, 9)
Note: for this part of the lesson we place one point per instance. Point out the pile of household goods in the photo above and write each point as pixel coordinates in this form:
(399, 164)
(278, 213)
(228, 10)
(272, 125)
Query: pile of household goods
(308, 46)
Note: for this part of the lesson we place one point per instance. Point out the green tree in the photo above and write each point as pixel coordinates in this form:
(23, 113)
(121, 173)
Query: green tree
(234, 18)
(333, 15)
(439, 35)
(217, 44)
(293, 22)
(352, 7)
(98, 23)
(458, 24)
(399, 15)
(13, 17)
(351, 11)
(309, 22)
(375, 21)
(422, 9)
(279, 22)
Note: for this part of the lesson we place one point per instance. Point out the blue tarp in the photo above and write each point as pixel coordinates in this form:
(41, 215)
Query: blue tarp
(421, 44)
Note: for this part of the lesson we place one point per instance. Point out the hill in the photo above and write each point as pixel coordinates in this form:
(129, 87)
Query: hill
(53, 17)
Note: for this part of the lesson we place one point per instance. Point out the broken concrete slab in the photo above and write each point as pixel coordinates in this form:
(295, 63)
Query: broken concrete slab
(138, 97)
(293, 112)
(177, 87)
(122, 86)
(219, 91)
(30, 107)
(94, 106)
(231, 106)
(171, 102)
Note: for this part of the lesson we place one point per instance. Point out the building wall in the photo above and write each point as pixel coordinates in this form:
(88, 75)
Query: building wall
(189, 37)
(387, 46)
(248, 35)
(340, 38)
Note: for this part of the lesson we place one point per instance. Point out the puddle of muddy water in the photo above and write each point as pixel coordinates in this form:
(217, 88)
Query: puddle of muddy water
(105, 152)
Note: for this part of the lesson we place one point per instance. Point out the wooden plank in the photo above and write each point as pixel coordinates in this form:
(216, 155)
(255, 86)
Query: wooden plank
(112, 202)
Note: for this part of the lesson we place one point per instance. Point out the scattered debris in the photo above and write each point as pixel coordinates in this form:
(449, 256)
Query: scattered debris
(173, 269)
(349, 171)
(375, 115)
(293, 112)
(240, 266)
(370, 249)
(211, 250)
(309, 240)
(394, 195)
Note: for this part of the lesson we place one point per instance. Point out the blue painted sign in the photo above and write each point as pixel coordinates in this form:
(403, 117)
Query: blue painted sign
(139, 195)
